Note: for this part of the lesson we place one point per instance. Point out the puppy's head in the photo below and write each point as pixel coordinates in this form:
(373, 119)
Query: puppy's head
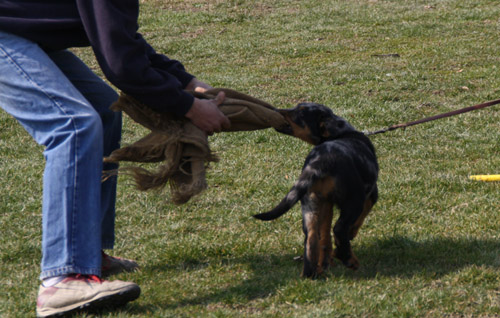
(313, 123)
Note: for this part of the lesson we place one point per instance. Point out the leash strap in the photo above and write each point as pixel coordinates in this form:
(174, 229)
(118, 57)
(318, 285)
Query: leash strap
(443, 115)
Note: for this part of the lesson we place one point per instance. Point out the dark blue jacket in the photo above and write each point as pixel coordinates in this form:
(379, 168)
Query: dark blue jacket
(110, 28)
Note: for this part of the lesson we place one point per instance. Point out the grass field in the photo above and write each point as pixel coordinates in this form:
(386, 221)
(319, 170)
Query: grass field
(430, 248)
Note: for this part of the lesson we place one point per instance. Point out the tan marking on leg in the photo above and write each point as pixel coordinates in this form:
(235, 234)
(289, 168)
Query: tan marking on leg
(326, 250)
(359, 222)
(321, 191)
(312, 242)
(353, 262)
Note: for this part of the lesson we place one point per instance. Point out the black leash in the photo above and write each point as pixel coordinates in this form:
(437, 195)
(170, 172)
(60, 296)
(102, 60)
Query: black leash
(444, 115)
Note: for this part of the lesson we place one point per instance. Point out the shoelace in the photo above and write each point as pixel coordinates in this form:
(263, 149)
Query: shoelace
(94, 278)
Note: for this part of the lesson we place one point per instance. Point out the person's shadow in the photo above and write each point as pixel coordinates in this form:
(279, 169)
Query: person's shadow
(390, 257)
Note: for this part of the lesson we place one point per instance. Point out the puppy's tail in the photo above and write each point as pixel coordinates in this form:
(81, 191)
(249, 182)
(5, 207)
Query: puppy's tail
(298, 190)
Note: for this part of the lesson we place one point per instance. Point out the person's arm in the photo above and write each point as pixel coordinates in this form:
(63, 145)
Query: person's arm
(133, 66)
(128, 61)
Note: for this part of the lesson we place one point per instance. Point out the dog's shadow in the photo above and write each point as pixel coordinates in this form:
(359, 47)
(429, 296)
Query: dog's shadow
(391, 257)
(400, 256)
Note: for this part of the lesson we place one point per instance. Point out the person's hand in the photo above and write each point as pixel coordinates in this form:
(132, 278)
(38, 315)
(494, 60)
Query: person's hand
(206, 115)
(198, 86)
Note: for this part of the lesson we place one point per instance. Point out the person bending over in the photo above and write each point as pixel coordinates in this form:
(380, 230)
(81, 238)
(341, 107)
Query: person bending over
(64, 106)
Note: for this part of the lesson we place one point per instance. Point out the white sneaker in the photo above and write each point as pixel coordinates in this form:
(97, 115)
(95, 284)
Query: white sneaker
(83, 292)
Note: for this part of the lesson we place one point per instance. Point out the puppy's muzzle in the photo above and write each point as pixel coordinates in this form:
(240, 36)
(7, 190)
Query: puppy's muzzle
(286, 128)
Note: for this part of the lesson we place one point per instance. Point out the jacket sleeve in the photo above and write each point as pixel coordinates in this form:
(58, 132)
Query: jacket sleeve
(128, 61)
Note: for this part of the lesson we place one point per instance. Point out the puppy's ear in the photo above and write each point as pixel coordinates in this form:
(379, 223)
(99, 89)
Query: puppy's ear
(328, 128)
(332, 128)
(323, 130)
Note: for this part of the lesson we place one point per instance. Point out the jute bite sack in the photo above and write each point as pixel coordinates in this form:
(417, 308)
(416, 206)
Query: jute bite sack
(182, 149)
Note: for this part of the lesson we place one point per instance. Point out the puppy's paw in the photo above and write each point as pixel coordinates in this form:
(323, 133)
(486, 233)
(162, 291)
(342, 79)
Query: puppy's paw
(352, 263)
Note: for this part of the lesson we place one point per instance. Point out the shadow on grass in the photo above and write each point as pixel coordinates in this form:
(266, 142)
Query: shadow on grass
(403, 257)
(265, 274)
(389, 257)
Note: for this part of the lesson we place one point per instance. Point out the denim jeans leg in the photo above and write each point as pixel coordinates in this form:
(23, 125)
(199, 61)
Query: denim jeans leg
(58, 116)
(101, 96)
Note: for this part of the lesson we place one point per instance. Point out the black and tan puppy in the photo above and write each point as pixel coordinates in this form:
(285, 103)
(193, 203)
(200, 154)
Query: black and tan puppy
(341, 170)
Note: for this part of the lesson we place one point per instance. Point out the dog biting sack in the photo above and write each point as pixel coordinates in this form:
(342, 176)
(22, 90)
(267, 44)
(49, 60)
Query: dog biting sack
(180, 146)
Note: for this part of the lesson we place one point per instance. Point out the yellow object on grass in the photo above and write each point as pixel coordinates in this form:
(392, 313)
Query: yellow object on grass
(487, 177)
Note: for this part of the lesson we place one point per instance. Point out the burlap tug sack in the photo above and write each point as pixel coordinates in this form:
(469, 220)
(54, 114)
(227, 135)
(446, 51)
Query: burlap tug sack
(180, 146)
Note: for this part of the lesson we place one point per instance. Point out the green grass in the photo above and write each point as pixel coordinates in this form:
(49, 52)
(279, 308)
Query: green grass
(431, 247)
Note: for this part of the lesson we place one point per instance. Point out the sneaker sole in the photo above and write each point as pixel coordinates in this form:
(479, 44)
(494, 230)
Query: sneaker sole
(100, 302)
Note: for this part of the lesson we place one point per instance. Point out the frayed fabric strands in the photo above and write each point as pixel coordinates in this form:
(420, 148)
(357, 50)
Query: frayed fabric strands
(181, 148)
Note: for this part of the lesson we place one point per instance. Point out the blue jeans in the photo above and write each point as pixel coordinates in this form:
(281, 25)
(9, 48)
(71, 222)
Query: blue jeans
(64, 106)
